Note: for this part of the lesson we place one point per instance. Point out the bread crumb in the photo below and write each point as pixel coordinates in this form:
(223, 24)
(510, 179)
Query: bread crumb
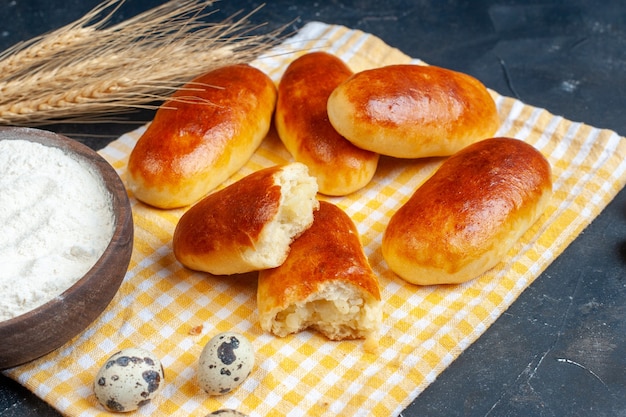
(370, 345)
(194, 331)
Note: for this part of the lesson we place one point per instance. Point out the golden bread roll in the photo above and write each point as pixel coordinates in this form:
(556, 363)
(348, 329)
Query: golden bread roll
(206, 132)
(413, 111)
(302, 124)
(326, 283)
(249, 224)
(465, 218)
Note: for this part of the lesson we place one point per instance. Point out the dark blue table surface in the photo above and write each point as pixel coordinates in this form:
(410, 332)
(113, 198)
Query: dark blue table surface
(560, 350)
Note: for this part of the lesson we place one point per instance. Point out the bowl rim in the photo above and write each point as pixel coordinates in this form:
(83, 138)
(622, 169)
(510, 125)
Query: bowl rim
(122, 215)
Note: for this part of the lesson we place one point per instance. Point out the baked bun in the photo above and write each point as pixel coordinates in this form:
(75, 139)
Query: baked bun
(465, 218)
(248, 225)
(413, 111)
(302, 124)
(205, 133)
(326, 283)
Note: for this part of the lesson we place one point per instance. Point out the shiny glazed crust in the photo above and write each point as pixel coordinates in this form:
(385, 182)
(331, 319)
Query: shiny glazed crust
(465, 218)
(413, 111)
(248, 225)
(326, 283)
(206, 132)
(302, 124)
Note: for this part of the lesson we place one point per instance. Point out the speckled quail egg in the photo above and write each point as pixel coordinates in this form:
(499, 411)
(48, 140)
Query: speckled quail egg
(225, 362)
(226, 412)
(129, 379)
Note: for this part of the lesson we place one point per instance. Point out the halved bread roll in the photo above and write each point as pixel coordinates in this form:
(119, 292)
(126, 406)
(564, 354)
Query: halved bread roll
(248, 225)
(326, 283)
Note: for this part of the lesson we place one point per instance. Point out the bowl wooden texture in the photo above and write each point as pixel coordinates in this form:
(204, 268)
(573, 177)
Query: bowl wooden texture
(51, 325)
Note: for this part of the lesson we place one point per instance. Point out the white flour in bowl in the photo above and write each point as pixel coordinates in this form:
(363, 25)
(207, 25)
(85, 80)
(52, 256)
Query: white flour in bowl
(56, 220)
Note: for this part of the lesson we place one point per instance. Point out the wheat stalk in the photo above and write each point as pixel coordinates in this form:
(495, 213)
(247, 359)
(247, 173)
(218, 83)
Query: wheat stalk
(91, 68)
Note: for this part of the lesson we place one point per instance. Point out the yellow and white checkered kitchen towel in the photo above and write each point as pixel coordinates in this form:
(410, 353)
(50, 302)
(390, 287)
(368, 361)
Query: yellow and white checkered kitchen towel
(173, 312)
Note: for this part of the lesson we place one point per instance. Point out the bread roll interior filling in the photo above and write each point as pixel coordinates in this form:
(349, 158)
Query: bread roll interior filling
(337, 310)
(295, 214)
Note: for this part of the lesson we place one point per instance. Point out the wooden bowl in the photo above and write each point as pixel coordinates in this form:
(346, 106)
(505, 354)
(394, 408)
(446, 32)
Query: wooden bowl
(51, 325)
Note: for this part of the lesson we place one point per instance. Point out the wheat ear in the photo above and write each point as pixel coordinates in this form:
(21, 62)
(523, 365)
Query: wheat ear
(91, 68)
